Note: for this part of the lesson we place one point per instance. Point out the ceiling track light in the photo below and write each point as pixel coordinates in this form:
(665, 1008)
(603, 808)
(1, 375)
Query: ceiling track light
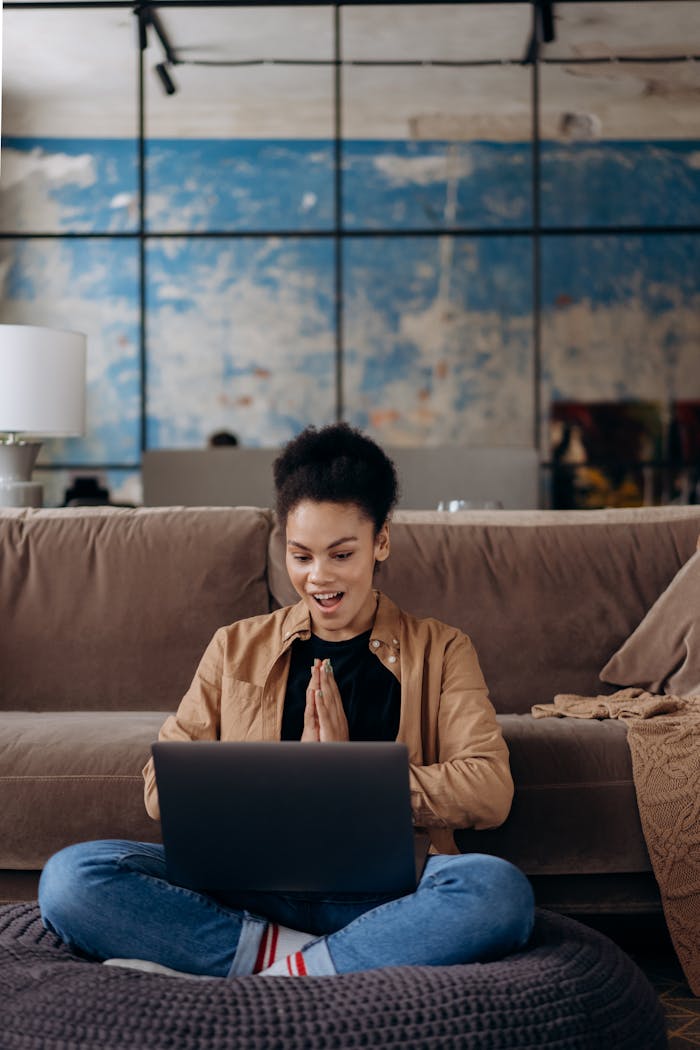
(546, 10)
(168, 49)
(169, 86)
(148, 17)
(543, 30)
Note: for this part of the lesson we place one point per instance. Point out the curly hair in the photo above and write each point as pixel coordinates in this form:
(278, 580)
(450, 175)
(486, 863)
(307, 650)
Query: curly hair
(336, 464)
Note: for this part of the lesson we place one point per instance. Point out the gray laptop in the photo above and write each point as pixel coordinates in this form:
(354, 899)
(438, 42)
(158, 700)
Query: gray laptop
(287, 816)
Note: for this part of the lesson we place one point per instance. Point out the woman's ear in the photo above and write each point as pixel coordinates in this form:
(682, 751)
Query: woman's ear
(382, 543)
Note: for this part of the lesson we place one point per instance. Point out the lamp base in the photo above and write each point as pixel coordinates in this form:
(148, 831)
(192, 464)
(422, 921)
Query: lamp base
(21, 494)
(16, 463)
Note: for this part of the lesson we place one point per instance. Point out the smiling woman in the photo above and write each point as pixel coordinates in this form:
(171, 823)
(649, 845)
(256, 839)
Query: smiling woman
(336, 512)
(333, 576)
(343, 664)
(337, 525)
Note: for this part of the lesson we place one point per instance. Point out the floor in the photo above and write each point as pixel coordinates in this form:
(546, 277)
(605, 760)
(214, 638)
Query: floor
(647, 941)
(681, 1006)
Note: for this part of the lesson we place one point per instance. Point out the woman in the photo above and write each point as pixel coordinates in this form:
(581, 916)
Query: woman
(344, 663)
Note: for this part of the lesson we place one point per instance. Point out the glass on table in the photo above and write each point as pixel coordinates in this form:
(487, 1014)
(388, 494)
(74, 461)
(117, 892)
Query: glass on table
(468, 504)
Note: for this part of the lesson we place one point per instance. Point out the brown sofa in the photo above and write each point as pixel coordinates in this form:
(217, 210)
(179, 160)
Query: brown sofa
(106, 612)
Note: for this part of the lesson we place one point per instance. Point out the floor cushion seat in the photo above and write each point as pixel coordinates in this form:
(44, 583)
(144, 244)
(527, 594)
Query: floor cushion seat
(572, 989)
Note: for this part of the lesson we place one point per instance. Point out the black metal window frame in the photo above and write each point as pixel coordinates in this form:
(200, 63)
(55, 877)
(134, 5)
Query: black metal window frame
(337, 232)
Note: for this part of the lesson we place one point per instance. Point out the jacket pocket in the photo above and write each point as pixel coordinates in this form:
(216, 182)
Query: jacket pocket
(241, 710)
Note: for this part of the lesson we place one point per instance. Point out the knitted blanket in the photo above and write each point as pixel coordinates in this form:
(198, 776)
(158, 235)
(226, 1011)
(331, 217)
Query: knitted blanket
(663, 733)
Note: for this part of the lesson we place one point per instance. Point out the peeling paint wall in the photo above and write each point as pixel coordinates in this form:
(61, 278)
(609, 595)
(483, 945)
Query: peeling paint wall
(438, 329)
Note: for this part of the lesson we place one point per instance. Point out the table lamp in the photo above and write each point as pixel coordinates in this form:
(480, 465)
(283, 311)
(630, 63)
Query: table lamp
(42, 393)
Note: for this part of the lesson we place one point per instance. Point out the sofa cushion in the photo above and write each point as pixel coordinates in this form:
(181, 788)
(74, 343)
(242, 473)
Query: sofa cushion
(574, 809)
(663, 653)
(546, 596)
(108, 609)
(71, 777)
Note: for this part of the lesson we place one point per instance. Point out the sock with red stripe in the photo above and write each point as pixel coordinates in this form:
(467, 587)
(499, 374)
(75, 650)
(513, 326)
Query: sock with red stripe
(290, 966)
(277, 944)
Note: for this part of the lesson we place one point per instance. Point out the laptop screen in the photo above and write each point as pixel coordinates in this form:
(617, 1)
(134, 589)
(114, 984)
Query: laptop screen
(287, 816)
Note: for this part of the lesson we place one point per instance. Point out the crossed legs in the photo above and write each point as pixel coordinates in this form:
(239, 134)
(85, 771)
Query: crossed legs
(112, 898)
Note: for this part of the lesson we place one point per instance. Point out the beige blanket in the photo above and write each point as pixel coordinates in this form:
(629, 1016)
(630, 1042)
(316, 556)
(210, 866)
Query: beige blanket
(625, 703)
(664, 740)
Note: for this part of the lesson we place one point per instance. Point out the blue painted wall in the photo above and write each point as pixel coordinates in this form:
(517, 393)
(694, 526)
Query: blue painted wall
(437, 329)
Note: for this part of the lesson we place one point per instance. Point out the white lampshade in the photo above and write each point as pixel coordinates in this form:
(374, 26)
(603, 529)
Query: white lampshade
(42, 381)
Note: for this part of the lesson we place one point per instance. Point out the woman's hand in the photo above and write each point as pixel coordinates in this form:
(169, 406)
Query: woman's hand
(311, 729)
(324, 716)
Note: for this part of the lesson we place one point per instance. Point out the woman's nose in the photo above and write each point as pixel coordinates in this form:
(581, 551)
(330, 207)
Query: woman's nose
(318, 574)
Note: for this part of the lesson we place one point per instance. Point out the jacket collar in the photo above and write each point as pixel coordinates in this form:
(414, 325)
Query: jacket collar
(387, 623)
(296, 623)
(386, 629)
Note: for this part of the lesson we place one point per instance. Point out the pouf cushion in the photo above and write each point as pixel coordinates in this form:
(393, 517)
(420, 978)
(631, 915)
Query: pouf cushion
(572, 989)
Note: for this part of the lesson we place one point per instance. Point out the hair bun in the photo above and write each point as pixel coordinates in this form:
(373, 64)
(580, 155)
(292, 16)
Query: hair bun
(337, 464)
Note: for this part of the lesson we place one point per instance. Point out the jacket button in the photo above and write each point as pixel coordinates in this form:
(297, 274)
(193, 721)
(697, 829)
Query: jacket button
(395, 641)
(392, 659)
(375, 644)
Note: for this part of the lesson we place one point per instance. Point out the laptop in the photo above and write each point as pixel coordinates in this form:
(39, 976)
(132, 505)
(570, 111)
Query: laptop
(288, 817)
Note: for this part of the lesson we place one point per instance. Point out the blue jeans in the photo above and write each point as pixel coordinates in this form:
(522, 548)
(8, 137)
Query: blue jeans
(113, 899)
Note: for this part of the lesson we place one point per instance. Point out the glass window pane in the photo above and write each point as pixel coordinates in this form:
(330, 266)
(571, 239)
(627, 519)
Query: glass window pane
(438, 337)
(241, 147)
(452, 32)
(439, 152)
(622, 137)
(69, 122)
(89, 286)
(436, 145)
(615, 28)
(240, 338)
(620, 319)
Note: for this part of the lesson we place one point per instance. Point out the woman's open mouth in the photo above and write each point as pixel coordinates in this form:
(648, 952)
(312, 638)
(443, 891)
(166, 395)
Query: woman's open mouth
(328, 600)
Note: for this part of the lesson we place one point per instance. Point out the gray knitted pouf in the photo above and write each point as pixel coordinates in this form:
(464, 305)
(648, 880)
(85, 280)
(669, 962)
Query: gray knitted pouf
(572, 989)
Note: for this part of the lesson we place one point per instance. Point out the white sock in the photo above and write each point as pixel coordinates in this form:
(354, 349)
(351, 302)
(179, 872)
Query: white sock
(278, 942)
(292, 965)
(152, 967)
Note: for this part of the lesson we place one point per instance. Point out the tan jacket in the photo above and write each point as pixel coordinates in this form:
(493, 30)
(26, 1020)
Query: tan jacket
(459, 769)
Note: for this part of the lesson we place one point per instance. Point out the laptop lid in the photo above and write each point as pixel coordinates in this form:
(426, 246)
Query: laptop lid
(287, 816)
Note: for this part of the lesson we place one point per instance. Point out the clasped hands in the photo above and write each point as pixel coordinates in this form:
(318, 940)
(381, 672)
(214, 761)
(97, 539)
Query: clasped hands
(324, 716)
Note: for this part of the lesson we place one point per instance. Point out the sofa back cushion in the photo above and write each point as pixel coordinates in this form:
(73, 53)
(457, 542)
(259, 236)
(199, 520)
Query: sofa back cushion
(546, 596)
(105, 609)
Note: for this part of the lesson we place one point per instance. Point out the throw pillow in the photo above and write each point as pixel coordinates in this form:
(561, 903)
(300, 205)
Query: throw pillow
(662, 654)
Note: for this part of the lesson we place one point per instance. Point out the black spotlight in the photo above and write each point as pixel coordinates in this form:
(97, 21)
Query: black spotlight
(166, 80)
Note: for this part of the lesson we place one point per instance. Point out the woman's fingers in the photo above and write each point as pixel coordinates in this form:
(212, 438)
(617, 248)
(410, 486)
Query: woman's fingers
(311, 721)
(324, 715)
(333, 725)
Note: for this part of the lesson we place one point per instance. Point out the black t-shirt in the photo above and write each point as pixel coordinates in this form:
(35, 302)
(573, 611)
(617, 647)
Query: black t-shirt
(370, 693)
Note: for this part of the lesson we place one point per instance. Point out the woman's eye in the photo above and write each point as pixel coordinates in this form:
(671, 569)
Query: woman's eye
(343, 556)
(300, 557)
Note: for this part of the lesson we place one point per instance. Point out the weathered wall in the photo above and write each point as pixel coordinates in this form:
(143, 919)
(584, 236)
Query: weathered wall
(438, 333)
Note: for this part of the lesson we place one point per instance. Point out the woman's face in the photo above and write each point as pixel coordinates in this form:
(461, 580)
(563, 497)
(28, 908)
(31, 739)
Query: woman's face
(331, 552)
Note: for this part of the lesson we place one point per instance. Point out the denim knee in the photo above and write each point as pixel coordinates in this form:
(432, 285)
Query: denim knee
(66, 885)
(503, 892)
(57, 886)
(62, 885)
